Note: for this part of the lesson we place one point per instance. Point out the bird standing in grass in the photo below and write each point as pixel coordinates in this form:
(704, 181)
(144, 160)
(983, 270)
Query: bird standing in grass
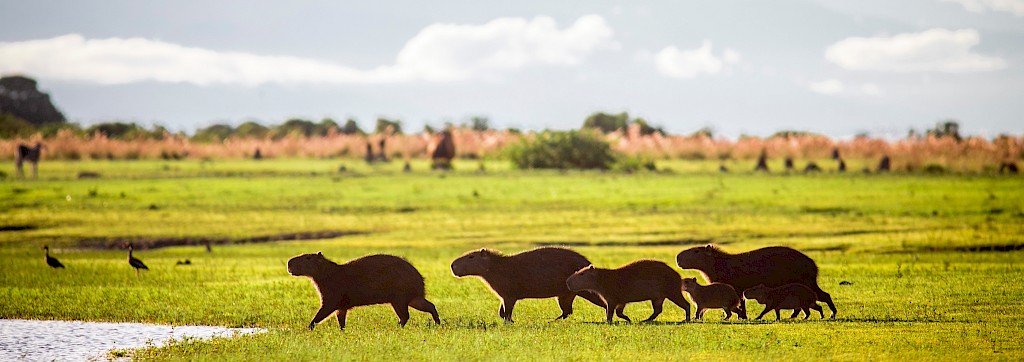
(134, 262)
(51, 261)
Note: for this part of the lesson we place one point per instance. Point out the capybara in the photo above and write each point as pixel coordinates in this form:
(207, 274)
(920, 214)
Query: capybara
(713, 296)
(537, 273)
(794, 296)
(373, 279)
(634, 282)
(772, 266)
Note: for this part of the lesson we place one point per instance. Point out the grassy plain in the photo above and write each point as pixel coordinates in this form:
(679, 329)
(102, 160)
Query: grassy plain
(925, 254)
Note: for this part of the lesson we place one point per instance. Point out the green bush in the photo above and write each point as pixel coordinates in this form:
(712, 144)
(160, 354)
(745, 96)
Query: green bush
(562, 150)
(634, 164)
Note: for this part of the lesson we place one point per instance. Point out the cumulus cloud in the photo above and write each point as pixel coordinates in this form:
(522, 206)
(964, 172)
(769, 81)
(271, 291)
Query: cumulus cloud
(439, 52)
(871, 89)
(1015, 7)
(828, 86)
(676, 63)
(934, 50)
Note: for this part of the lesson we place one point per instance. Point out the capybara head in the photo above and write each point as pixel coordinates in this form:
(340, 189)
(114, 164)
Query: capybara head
(582, 279)
(698, 257)
(476, 262)
(755, 293)
(689, 284)
(307, 264)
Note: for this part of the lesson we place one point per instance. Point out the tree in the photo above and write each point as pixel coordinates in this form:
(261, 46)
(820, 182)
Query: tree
(251, 129)
(947, 128)
(119, 130)
(214, 133)
(607, 123)
(325, 126)
(351, 128)
(384, 123)
(647, 129)
(480, 123)
(294, 126)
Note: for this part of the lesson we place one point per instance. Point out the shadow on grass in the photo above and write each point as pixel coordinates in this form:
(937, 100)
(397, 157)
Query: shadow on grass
(117, 242)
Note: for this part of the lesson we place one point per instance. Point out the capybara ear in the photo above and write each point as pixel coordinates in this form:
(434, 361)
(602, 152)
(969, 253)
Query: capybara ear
(319, 254)
(709, 246)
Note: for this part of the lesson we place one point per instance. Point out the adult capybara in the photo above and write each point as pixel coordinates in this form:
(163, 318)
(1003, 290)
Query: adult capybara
(713, 296)
(772, 266)
(373, 279)
(794, 296)
(634, 282)
(537, 273)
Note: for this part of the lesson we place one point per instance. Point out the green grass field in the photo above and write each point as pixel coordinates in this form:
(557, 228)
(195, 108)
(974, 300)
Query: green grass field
(935, 261)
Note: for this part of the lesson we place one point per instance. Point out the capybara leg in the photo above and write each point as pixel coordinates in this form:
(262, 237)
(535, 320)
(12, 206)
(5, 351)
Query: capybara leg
(501, 310)
(424, 305)
(609, 312)
(699, 314)
(656, 304)
(321, 314)
(807, 313)
(827, 299)
(740, 312)
(592, 297)
(765, 311)
(681, 301)
(796, 313)
(342, 314)
(728, 313)
(565, 303)
(620, 310)
(817, 308)
(402, 310)
(777, 316)
(509, 304)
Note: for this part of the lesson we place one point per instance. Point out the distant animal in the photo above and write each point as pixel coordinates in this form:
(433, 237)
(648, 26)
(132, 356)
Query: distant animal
(723, 169)
(842, 165)
(186, 262)
(835, 153)
(51, 261)
(762, 161)
(812, 167)
(369, 280)
(634, 282)
(369, 153)
(772, 266)
(790, 296)
(713, 296)
(407, 167)
(88, 175)
(30, 154)
(257, 155)
(135, 262)
(885, 164)
(1009, 166)
(383, 154)
(789, 164)
(444, 152)
(537, 273)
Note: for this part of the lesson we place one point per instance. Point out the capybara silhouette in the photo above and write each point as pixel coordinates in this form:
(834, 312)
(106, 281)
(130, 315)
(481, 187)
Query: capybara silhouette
(634, 282)
(537, 273)
(713, 296)
(790, 296)
(772, 266)
(30, 154)
(373, 279)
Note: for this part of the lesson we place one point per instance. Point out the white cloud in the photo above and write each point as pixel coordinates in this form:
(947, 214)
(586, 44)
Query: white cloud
(871, 89)
(828, 86)
(1015, 7)
(439, 52)
(676, 63)
(934, 50)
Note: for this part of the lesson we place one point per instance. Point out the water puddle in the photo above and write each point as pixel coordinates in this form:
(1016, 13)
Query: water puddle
(90, 341)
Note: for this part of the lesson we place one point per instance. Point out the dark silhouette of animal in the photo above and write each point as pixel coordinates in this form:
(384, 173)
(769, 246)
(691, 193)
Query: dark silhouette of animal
(257, 155)
(135, 262)
(51, 261)
(369, 153)
(885, 164)
(634, 282)
(1009, 166)
(407, 167)
(812, 167)
(835, 154)
(723, 169)
(790, 296)
(369, 280)
(762, 161)
(842, 165)
(30, 154)
(444, 152)
(713, 296)
(772, 266)
(383, 154)
(789, 164)
(537, 273)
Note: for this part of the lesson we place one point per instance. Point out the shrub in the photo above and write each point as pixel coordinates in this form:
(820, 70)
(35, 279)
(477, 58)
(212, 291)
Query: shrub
(634, 164)
(562, 150)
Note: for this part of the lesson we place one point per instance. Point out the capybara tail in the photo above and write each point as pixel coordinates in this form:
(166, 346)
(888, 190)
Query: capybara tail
(424, 305)
(592, 297)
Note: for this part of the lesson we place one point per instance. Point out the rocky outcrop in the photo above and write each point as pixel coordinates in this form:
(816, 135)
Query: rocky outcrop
(20, 97)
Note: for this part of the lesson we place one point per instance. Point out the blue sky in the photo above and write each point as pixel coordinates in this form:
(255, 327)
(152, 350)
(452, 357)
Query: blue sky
(834, 67)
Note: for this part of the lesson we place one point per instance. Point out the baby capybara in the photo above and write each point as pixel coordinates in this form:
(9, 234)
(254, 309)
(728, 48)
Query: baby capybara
(373, 279)
(634, 282)
(790, 296)
(537, 273)
(713, 296)
(772, 266)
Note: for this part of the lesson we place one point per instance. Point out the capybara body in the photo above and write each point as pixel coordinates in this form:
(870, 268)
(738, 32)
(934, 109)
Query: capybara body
(537, 273)
(794, 296)
(634, 282)
(713, 296)
(373, 279)
(772, 266)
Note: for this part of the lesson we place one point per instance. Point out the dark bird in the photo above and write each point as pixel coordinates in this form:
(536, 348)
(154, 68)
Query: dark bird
(134, 262)
(51, 261)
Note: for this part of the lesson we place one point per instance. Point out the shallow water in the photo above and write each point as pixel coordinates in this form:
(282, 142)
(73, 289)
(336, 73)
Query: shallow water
(35, 340)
